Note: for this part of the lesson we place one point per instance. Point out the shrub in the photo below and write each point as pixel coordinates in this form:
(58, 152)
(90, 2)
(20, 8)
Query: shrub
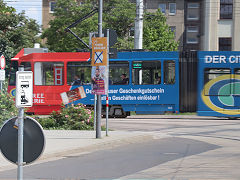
(72, 117)
(7, 107)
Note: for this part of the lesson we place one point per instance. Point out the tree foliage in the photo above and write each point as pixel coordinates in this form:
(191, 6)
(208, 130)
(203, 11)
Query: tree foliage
(16, 31)
(117, 15)
(157, 35)
(7, 107)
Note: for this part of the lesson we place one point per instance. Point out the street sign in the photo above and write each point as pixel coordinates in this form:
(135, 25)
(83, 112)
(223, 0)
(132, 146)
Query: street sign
(99, 51)
(2, 75)
(34, 140)
(2, 62)
(24, 89)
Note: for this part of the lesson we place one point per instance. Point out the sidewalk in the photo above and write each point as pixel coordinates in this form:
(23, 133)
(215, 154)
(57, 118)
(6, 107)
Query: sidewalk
(61, 143)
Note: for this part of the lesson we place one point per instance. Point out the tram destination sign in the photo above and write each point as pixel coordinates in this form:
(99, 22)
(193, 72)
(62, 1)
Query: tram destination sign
(24, 89)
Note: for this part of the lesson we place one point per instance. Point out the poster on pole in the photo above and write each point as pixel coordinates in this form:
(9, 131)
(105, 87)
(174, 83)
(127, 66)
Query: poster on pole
(99, 80)
(99, 51)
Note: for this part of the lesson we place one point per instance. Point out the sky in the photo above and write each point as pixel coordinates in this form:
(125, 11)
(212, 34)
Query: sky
(32, 8)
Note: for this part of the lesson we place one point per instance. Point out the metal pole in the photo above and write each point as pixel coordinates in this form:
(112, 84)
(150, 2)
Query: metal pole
(138, 30)
(107, 102)
(20, 139)
(95, 110)
(99, 103)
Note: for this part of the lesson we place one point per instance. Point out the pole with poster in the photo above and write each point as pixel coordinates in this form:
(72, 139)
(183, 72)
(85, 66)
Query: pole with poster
(99, 75)
(99, 68)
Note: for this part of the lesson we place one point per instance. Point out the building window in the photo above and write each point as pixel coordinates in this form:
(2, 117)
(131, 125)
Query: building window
(162, 7)
(226, 9)
(225, 44)
(172, 8)
(52, 6)
(193, 11)
(192, 34)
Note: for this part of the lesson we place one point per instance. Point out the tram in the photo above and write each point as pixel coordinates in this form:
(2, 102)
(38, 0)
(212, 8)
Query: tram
(152, 86)
(206, 82)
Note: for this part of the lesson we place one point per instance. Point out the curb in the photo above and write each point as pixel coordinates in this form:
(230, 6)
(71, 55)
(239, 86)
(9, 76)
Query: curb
(113, 143)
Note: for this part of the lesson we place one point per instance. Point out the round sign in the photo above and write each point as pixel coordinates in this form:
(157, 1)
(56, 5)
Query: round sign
(33, 140)
(2, 62)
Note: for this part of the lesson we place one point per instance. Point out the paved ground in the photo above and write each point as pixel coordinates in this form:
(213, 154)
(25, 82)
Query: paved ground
(221, 163)
(60, 143)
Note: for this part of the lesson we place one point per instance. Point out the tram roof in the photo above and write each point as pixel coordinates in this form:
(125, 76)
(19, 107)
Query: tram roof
(53, 56)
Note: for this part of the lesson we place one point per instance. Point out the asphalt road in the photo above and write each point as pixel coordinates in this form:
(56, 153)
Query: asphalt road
(115, 163)
(183, 147)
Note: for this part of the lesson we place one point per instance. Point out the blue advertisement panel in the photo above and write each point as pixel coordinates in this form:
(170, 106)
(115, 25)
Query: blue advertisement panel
(219, 84)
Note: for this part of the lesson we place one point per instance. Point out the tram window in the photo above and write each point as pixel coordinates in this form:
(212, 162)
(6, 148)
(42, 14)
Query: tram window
(116, 71)
(13, 70)
(211, 74)
(146, 72)
(237, 85)
(27, 66)
(82, 70)
(48, 73)
(169, 72)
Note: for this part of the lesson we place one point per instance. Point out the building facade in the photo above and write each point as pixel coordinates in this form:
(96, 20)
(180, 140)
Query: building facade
(47, 11)
(221, 25)
(174, 11)
(209, 25)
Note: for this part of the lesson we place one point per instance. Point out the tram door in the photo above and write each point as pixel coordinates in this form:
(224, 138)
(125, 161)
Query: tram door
(58, 75)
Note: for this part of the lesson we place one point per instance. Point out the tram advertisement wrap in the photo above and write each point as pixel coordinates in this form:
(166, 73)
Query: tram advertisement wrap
(130, 95)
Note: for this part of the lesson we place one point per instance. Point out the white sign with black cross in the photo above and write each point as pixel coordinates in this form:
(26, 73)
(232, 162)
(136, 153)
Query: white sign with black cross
(24, 89)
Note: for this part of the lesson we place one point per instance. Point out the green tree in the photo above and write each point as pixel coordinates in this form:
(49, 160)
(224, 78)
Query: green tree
(117, 15)
(157, 35)
(16, 31)
(7, 107)
(67, 12)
